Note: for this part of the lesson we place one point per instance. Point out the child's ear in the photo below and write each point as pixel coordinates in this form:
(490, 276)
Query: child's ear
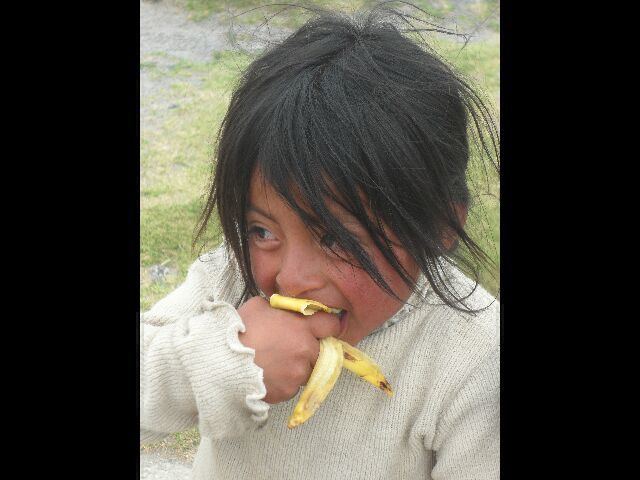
(450, 238)
(461, 212)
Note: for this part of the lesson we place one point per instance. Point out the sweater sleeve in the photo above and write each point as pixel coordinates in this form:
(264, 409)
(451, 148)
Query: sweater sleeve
(193, 368)
(467, 440)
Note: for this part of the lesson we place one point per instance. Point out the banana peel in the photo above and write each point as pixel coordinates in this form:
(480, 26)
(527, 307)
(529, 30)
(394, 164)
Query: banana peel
(334, 355)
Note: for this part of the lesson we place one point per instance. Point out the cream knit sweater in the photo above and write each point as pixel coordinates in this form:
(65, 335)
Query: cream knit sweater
(443, 421)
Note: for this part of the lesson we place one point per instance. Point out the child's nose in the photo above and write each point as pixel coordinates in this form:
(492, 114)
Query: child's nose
(301, 270)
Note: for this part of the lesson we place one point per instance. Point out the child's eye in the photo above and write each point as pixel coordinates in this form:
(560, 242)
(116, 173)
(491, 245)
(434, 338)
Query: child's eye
(333, 247)
(328, 240)
(261, 234)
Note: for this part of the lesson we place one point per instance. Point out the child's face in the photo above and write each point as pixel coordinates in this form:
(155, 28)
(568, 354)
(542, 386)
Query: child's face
(288, 260)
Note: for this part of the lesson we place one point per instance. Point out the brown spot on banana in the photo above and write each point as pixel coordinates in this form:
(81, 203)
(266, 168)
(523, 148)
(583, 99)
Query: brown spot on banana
(350, 357)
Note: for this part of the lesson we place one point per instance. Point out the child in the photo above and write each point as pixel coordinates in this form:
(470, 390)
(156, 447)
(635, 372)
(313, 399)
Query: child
(340, 177)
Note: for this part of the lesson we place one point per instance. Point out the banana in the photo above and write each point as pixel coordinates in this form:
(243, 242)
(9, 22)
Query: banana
(325, 373)
(334, 354)
(306, 307)
(359, 363)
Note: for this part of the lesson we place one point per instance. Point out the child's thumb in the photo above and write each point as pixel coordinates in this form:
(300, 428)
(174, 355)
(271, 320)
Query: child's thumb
(324, 325)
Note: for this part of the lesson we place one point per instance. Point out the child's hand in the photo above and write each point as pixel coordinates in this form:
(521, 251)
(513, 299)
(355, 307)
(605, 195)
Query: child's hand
(286, 344)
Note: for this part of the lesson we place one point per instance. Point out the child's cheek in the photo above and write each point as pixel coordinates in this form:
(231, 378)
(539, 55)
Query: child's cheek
(371, 305)
(264, 269)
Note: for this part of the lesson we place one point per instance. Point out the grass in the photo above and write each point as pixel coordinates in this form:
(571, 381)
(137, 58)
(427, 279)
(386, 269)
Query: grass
(480, 63)
(175, 161)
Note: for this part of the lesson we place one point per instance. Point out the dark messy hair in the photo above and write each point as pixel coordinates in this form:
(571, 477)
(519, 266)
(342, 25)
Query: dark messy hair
(349, 110)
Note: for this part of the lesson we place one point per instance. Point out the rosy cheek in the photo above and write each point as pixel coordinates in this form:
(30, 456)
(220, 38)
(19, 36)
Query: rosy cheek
(379, 306)
(264, 269)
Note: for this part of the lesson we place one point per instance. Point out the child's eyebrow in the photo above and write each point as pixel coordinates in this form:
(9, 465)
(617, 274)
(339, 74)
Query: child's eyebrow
(260, 211)
(341, 215)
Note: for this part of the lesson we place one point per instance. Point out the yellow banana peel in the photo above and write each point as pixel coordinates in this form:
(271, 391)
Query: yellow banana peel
(300, 305)
(324, 376)
(334, 354)
(362, 365)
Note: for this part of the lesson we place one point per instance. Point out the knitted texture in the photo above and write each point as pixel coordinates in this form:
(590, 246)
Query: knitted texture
(441, 423)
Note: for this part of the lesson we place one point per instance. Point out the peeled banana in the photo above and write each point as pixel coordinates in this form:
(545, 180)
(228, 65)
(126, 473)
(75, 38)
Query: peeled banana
(334, 354)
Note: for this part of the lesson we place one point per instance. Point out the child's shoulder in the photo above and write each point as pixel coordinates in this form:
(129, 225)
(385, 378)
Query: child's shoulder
(487, 317)
(212, 261)
(454, 343)
(481, 326)
(217, 271)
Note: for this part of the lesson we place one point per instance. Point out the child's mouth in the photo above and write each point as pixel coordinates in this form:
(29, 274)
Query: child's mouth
(343, 322)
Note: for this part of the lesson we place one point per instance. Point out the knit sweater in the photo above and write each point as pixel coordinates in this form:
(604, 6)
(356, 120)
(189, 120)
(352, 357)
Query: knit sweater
(441, 423)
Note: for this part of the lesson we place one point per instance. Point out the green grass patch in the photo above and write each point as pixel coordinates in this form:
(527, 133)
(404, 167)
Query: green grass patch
(479, 62)
(175, 164)
(165, 231)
